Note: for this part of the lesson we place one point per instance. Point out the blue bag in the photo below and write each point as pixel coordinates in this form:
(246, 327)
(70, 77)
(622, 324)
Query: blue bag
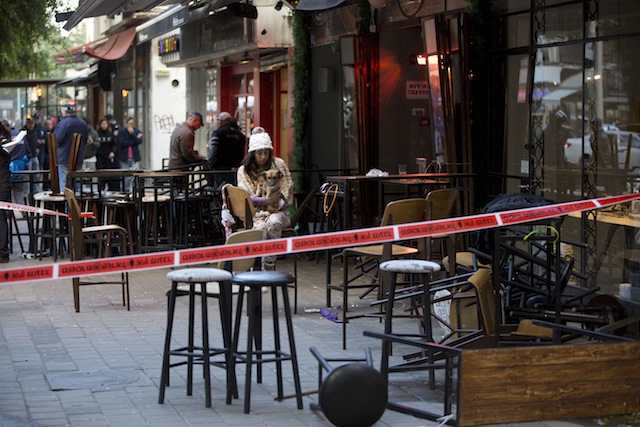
(16, 165)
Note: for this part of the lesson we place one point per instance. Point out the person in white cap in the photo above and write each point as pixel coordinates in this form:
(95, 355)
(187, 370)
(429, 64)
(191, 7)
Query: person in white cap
(260, 158)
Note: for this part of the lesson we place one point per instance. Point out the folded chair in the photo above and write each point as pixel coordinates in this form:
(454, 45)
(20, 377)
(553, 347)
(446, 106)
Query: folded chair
(241, 207)
(369, 257)
(102, 235)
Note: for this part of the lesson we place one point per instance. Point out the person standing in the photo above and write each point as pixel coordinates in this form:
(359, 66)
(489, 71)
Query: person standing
(128, 151)
(34, 163)
(106, 156)
(226, 147)
(260, 158)
(20, 156)
(91, 149)
(69, 125)
(5, 193)
(113, 124)
(182, 154)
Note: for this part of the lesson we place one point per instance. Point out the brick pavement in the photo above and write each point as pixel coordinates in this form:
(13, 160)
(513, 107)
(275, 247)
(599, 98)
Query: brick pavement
(43, 341)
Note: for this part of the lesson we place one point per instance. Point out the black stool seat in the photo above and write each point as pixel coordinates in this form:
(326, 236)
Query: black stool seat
(199, 279)
(254, 352)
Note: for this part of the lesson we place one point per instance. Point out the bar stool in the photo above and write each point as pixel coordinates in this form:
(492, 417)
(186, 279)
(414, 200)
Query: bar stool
(156, 223)
(198, 279)
(190, 230)
(255, 281)
(423, 269)
(51, 226)
(120, 209)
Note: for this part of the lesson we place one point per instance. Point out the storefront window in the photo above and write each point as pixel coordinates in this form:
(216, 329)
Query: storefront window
(572, 122)
(243, 98)
(212, 94)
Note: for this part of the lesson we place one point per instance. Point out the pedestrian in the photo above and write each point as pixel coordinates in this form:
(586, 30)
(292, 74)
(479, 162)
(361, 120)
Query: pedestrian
(259, 159)
(68, 126)
(113, 124)
(5, 193)
(182, 154)
(106, 155)
(31, 138)
(91, 149)
(20, 156)
(128, 151)
(226, 147)
(604, 157)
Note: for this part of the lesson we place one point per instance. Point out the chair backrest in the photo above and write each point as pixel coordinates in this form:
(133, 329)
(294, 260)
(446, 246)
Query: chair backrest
(75, 152)
(75, 225)
(239, 265)
(443, 203)
(404, 211)
(53, 163)
(483, 285)
(240, 204)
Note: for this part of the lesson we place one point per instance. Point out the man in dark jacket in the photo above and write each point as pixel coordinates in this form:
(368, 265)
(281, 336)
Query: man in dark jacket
(226, 148)
(68, 126)
(34, 162)
(5, 193)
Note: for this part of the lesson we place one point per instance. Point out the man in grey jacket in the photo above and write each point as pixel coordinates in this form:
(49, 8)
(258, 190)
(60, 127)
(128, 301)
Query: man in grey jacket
(182, 154)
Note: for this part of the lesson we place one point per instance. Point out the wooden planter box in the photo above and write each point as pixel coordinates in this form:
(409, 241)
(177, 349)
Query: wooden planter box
(548, 382)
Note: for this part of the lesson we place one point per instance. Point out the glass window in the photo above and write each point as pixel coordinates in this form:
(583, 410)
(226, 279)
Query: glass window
(212, 93)
(242, 95)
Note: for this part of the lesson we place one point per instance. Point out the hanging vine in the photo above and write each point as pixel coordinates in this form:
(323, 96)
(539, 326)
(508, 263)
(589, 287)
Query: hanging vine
(300, 109)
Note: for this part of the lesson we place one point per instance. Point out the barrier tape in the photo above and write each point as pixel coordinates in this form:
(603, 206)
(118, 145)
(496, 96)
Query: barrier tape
(31, 209)
(39, 211)
(334, 240)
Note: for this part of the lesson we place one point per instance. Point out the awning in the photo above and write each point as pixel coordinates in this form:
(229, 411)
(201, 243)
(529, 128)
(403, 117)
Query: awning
(558, 95)
(93, 8)
(84, 79)
(107, 48)
(163, 23)
(114, 47)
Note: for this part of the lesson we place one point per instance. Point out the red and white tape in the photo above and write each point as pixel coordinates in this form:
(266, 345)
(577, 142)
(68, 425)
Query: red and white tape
(335, 240)
(27, 208)
(40, 211)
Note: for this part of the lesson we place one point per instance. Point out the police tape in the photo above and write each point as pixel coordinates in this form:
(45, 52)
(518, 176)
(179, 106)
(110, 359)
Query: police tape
(30, 209)
(333, 240)
(40, 211)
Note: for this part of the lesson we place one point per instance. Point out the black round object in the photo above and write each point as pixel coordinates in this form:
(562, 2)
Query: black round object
(353, 395)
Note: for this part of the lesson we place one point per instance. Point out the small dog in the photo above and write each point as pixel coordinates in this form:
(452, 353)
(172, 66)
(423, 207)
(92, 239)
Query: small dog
(269, 186)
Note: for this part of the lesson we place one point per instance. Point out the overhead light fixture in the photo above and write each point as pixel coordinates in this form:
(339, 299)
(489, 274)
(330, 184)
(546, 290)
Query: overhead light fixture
(418, 59)
(245, 58)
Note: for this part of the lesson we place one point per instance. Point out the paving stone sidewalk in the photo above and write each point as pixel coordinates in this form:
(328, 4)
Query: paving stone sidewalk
(101, 367)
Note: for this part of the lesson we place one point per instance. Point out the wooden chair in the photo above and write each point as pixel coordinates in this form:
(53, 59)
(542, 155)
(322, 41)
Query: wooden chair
(369, 257)
(102, 233)
(53, 163)
(241, 207)
(75, 152)
(441, 204)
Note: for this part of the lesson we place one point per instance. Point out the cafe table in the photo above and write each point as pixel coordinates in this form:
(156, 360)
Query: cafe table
(614, 220)
(367, 195)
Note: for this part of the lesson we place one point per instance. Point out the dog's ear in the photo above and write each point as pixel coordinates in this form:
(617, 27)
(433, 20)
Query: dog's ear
(279, 174)
(263, 174)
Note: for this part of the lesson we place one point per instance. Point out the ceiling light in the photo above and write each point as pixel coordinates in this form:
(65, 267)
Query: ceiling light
(245, 59)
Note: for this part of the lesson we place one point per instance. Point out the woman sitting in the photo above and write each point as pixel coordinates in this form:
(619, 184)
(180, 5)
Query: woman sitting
(272, 207)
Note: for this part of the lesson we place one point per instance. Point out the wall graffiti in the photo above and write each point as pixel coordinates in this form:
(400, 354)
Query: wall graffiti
(164, 123)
